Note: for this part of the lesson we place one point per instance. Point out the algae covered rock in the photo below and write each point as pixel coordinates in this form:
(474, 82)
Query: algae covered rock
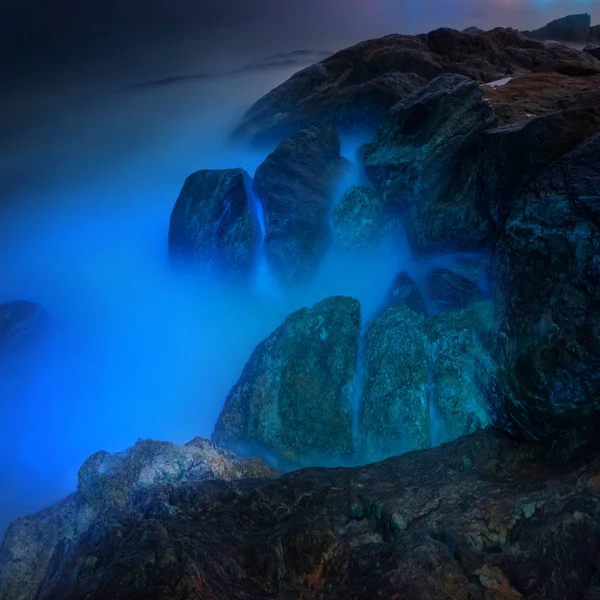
(294, 397)
(295, 184)
(212, 224)
(448, 290)
(404, 292)
(395, 414)
(360, 220)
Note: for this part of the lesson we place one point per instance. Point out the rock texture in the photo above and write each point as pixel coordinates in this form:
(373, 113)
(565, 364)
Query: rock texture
(354, 88)
(360, 220)
(572, 28)
(593, 50)
(212, 224)
(109, 488)
(547, 277)
(448, 290)
(485, 518)
(424, 158)
(404, 292)
(296, 184)
(294, 397)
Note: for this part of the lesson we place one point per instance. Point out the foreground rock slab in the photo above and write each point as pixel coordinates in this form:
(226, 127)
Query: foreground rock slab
(482, 518)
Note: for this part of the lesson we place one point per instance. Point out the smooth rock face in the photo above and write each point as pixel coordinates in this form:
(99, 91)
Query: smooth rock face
(462, 371)
(424, 159)
(21, 322)
(294, 397)
(108, 486)
(212, 224)
(356, 87)
(448, 290)
(404, 292)
(484, 517)
(547, 275)
(296, 184)
(360, 220)
(395, 414)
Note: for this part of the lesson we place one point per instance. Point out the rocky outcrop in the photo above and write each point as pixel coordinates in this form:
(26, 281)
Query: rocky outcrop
(212, 223)
(360, 220)
(404, 292)
(354, 88)
(109, 487)
(448, 290)
(21, 323)
(296, 184)
(593, 49)
(424, 158)
(294, 397)
(547, 277)
(395, 415)
(572, 28)
(483, 517)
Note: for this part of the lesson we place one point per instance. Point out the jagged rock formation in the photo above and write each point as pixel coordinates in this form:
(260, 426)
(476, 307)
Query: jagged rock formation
(212, 223)
(424, 158)
(360, 220)
(404, 292)
(355, 88)
(294, 397)
(295, 184)
(572, 28)
(547, 280)
(483, 517)
(109, 489)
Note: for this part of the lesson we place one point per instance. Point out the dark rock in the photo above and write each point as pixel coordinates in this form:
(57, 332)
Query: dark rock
(572, 28)
(449, 290)
(354, 88)
(395, 415)
(22, 323)
(593, 50)
(485, 517)
(212, 223)
(296, 183)
(360, 220)
(424, 158)
(109, 485)
(404, 292)
(547, 275)
(294, 397)
(462, 371)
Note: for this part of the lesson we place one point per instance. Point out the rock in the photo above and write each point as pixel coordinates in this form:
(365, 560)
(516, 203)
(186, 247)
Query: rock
(114, 478)
(212, 224)
(404, 292)
(394, 414)
(424, 158)
(547, 277)
(541, 94)
(449, 290)
(593, 50)
(360, 220)
(22, 323)
(572, 28)
(484, 517)
(294, 397)
(295, 184)
(462, 371)
(512, 156)
(354, 88)
(109, 485)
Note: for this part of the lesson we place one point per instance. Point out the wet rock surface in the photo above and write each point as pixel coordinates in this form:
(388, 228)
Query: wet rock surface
(448, 290)
(212, 224)
(294, 397)
(483, 517)
(404, 292)
(295, 184)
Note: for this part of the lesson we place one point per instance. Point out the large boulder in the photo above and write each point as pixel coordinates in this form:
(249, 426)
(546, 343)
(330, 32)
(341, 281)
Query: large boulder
(296, 184)
(404, 292)
(547, 276)
(109, 486)
(593, 49)
(212, 223)
(395, 400)
(449, 290)
(424, 159)
(294, 397)
(485, 517)
(354, 88)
